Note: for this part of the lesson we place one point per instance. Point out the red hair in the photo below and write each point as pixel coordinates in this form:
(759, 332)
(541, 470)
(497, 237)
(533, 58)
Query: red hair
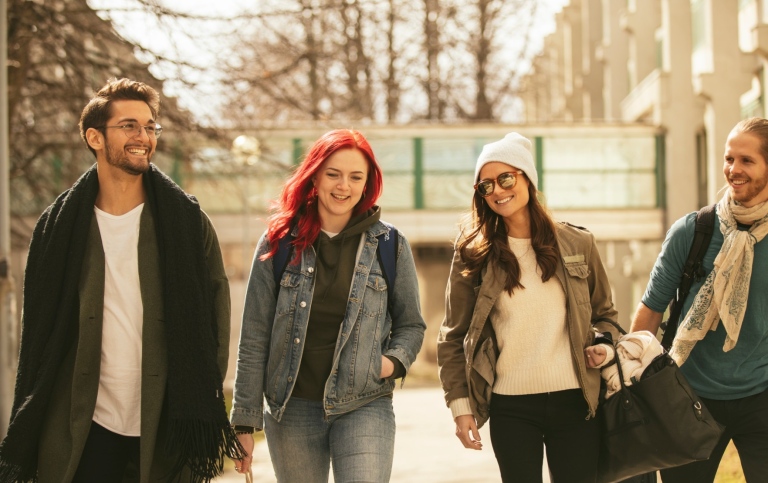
(297, 204)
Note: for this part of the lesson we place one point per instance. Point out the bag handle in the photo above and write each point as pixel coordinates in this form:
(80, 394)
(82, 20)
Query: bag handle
(624, 390)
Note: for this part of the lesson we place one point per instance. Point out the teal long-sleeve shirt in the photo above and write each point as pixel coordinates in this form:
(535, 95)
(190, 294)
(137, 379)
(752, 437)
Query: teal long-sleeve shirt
(714, 374)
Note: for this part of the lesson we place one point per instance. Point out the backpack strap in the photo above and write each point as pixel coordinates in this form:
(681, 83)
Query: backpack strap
(387, 253)
(280, 259)
(692, 270)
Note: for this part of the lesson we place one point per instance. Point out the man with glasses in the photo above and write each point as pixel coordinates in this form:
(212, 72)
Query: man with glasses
(125, 329)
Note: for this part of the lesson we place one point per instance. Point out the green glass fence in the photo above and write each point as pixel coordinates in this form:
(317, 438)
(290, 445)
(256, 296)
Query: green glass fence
(593, 170)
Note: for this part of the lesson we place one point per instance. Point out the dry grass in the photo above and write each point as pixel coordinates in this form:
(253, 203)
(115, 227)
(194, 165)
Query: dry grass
(730, 467)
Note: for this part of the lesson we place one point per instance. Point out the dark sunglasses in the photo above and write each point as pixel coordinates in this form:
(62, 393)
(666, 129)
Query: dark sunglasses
(507, 181)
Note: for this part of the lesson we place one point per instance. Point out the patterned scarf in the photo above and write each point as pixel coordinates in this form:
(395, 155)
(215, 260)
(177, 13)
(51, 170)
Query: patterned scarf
(724, 293)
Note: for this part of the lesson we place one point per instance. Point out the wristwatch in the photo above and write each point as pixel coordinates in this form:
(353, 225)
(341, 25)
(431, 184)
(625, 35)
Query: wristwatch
(239, 429)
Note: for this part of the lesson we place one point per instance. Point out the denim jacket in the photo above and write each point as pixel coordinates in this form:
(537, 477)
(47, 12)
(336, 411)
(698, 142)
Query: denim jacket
(275, 325)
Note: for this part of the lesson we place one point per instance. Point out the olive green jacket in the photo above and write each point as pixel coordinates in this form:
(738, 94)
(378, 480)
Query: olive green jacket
(69, 414)
(467, 350)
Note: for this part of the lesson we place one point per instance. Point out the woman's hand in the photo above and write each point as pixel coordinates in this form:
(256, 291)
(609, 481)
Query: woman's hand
(244, 465)
(387, 367)
(466, 431)
(595, 355)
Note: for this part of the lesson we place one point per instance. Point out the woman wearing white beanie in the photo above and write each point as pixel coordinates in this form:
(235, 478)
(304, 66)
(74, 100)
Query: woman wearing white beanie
(528, 306)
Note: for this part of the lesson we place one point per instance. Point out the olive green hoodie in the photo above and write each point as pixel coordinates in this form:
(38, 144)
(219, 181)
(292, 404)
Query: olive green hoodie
(335, 266)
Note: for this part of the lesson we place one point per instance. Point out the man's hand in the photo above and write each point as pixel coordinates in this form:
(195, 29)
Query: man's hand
(244, 465)
(466, 431)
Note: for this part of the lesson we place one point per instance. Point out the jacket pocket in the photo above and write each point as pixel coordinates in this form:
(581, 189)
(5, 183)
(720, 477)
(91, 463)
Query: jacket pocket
(482, 375)
(577, 275)
(375, 295)
(578, 269)
(289, 290)
(485, 361)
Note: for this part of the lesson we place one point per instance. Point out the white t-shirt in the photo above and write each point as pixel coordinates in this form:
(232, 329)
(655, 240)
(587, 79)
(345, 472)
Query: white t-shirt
(118, 404)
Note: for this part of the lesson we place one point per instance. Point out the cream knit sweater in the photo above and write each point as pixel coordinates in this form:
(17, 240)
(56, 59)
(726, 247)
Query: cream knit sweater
(535, 354)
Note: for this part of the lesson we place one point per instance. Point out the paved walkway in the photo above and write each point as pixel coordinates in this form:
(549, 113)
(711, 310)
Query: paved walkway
(426, 450)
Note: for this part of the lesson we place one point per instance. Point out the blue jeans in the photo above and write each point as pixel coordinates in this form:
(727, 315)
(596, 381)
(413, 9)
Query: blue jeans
(361, 443)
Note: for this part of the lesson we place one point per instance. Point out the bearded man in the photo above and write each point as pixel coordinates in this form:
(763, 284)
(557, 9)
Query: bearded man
(125, 329)
(722, 343)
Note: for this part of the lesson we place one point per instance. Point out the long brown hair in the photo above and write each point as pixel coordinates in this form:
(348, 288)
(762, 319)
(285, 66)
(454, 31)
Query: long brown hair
(483, 240)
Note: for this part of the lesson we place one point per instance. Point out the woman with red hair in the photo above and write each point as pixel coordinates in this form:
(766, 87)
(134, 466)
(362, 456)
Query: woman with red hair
(324, 345)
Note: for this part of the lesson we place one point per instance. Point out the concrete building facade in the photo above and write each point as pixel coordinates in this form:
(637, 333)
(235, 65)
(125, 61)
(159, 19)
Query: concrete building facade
(689, 68)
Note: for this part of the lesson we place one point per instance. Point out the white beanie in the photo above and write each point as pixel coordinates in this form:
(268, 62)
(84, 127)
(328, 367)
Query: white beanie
(514, 150)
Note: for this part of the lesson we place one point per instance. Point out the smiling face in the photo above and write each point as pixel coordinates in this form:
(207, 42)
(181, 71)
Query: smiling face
(510, 204)
(745, 169)
(340, 183)
(130, 155)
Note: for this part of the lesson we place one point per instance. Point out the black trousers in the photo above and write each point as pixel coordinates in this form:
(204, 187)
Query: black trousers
(522, 425)
(746, 423)
(108, 456)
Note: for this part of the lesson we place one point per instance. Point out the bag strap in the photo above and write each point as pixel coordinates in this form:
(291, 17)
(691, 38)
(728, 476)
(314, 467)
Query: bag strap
(693, 270)
(387, 253)
(280, 259)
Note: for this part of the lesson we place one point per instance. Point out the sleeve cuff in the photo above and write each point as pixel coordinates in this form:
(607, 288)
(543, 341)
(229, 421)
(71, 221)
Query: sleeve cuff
(460, 407)
(610, 352)
(399, 370)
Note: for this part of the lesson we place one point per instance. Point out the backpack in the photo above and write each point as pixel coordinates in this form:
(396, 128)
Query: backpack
(386, 252)
(692, 270)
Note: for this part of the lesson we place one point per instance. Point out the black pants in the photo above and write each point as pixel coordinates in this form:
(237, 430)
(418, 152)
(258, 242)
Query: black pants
(746, 423)
(522, 425)
(108, 456)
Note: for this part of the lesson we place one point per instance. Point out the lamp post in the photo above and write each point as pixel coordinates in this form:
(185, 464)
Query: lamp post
(246, 151)
(8, 351)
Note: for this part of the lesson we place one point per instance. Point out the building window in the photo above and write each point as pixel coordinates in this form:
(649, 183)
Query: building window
(747, 22)
(701, 56)
(752, 101)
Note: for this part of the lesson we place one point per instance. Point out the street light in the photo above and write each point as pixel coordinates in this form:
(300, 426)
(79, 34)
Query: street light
(8, 324)
(247, 152)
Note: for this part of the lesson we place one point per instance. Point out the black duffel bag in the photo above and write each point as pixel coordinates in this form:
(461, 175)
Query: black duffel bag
(656, 423)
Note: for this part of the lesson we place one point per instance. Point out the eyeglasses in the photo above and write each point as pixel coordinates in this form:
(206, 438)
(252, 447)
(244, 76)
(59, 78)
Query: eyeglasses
(506, 180)
(132, 129)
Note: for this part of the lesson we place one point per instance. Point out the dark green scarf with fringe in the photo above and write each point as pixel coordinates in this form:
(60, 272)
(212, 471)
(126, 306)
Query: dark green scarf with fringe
(199, 433)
